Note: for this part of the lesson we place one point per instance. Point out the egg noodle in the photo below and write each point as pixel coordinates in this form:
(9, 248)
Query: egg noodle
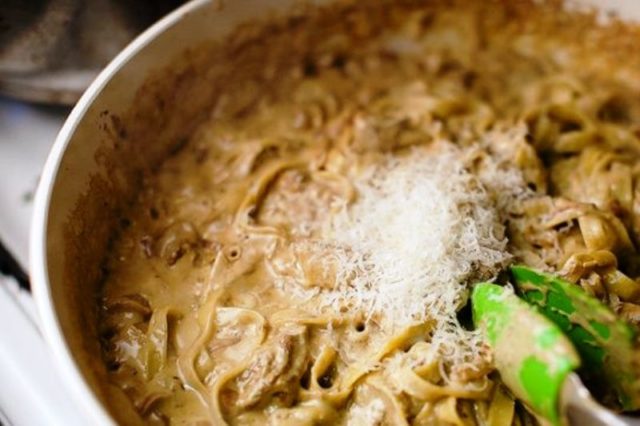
(307, 256)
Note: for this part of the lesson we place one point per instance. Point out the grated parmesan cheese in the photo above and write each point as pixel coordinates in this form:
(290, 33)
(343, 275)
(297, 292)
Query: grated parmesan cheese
(422, 230)
(370, 414)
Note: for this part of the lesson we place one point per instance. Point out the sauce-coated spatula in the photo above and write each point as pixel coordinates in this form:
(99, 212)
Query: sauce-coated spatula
(536, 360)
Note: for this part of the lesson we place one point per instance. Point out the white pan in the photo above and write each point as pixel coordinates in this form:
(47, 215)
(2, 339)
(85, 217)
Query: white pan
(97, 158)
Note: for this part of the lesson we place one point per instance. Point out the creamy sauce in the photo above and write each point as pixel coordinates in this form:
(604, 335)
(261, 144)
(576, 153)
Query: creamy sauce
(198, 321)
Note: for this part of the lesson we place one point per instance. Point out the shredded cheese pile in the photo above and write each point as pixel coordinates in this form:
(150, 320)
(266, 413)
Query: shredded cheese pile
(421, 231)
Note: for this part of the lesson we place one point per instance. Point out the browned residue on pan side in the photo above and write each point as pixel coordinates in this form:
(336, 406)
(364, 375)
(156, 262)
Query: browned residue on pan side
(174, 101)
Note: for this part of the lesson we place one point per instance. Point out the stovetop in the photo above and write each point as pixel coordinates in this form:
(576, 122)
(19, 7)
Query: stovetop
(26, 135)
(31, 392)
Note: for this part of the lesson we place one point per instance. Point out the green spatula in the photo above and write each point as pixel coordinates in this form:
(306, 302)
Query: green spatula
(536, 360)
(531, 353)
(606, 344)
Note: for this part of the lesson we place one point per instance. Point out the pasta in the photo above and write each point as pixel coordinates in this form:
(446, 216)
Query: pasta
(227, 299)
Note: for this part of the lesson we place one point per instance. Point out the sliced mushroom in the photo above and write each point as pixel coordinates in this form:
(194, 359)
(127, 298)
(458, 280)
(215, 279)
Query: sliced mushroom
(129, 303)
(274, 367)
(175, 241)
